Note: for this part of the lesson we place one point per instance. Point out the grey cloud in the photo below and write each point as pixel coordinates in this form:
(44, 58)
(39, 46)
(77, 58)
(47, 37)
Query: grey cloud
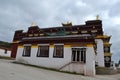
(114, 10)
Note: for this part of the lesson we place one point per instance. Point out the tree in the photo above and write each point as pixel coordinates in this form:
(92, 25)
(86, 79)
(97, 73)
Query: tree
(119, 62)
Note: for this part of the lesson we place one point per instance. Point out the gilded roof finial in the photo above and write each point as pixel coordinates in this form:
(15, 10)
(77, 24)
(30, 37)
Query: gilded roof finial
(97, 17)
(68, 23)
(32, 24)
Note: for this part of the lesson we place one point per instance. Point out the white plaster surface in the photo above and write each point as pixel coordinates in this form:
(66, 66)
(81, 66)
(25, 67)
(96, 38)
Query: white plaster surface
(74, 67)
(50, 61)
(87, 68)
(57, 63)
(100, 53)
(90, 62)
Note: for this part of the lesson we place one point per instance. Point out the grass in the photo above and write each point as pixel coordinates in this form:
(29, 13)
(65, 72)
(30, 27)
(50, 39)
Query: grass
(51, 69)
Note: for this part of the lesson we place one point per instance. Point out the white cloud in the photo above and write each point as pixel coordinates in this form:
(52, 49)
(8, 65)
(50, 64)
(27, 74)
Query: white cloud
(115, 20)
(80, 3)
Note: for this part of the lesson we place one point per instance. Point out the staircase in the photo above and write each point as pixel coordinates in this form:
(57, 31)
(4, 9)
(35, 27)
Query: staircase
(76, 67)
(65, 65)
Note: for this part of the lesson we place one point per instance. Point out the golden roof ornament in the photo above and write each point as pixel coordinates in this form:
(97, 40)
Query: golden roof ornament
(67, 24)
(32, 24)
(97, 17)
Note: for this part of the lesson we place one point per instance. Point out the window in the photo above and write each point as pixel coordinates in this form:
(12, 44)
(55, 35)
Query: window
(27, 51)
(79, 55)
(43, 51)
(58, 51)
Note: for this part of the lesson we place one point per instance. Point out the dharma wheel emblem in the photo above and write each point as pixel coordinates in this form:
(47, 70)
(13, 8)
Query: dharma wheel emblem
(107, 59)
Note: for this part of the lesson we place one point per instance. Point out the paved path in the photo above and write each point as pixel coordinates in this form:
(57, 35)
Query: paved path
(12, 71)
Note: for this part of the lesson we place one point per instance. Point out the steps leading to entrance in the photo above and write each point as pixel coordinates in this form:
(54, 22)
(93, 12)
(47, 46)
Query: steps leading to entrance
(76, 67)
(65, 65)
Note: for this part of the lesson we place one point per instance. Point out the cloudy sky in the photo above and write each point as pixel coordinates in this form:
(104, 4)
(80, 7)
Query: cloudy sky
(19, 14)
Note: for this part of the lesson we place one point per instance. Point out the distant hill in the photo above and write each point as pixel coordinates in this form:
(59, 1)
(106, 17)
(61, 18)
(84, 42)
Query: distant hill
(5, 44)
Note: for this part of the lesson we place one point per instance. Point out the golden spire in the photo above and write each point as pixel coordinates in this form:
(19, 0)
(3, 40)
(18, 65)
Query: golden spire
(32, 24)
(97, 17)
(68, 23)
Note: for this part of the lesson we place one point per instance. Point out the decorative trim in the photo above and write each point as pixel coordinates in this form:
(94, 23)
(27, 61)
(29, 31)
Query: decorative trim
(93, 31)
(27, 44)
(74, 32)
(20, 46)
(84, 31)
(89, 45)
(67, 46)
(15, 41)
(107, 44)
(35, 34)
(107, 54)
(103, 36)
(30, 35)
(58, 44)
(43, 44)
(34, 46)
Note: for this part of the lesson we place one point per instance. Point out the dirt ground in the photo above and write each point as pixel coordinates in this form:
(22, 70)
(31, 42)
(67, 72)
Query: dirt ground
(12, 71)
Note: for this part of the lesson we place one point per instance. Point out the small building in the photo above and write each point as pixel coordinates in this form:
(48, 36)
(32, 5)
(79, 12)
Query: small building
(5, 51)
(73, 48)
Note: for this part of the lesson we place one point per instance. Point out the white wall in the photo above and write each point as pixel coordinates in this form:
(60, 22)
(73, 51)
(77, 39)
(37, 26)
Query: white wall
(90, 62)
(75, 67)
(88, 68)
(45, 61)
(2, 53)
(100, 53)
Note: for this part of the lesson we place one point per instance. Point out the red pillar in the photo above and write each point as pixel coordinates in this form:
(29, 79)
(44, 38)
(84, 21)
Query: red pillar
(14, 50)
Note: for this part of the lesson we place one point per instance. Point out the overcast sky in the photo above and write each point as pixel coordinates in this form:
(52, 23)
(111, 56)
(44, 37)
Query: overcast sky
(19, 14)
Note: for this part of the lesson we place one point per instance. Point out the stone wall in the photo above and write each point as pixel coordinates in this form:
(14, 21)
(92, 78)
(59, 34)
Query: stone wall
(107, 71)
(118, 70)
